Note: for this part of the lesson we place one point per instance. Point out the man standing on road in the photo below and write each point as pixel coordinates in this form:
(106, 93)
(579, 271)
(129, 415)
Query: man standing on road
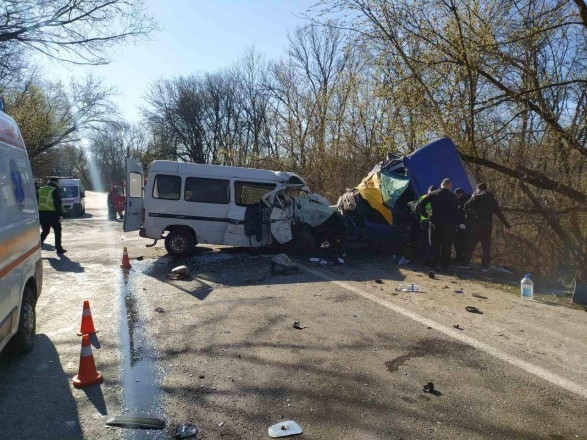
(461, 237)
(424, 228)
(482, 206)
(51, 212)
(443, 221)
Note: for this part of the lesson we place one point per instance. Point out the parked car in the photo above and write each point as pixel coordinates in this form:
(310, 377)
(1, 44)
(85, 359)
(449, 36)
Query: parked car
(73, 195)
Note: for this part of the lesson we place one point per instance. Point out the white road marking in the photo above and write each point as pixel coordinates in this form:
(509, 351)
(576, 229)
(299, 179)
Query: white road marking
(456, 334)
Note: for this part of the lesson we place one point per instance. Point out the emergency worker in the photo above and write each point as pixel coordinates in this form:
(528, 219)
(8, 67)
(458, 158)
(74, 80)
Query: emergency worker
(51, 212)
(482, 206)
(424, 228)
(443, 221)
(461, 237)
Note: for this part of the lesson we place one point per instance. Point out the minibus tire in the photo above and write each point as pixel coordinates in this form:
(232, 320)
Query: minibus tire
(24, 339)
(180, 242)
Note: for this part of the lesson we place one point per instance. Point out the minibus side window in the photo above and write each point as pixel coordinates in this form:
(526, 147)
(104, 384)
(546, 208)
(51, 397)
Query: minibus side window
(249, 193)
(203, 190)
(167, 187)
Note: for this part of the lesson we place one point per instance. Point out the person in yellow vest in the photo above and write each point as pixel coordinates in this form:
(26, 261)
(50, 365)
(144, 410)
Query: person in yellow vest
(51, 212)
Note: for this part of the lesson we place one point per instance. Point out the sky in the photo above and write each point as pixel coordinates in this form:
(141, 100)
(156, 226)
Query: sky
(195, 36)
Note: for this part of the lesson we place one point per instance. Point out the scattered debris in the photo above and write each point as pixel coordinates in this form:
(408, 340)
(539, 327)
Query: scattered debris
(160, 310)
(284, 429)
(298, 326)
(476, 295)
(141, 258)
(459, 291)
(432, 275)
(458, 327)
(472, 309)
(179, 273)
(429, 388)
(412, 287)
(379, 281)
(341, 261)
(283, 263)
(186, 431)
(314, 260)
(201, 376)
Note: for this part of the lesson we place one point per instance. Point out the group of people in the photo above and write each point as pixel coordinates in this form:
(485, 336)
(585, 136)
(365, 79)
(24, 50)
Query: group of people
(447, 219)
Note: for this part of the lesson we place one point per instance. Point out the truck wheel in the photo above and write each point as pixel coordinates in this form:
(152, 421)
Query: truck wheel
(24, 339)
(77, 210)
(180, 242)
(304, 241)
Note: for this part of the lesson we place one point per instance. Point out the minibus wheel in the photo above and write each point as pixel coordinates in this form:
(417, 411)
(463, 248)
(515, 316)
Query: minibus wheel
(24, 339)
(180, 242)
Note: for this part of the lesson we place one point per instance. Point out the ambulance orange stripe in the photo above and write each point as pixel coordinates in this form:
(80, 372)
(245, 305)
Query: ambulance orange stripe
(4, 271)
(12, 245)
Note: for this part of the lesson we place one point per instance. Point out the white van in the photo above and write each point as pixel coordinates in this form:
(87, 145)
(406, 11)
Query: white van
(245, 207)
(21, 267)
(73, 196)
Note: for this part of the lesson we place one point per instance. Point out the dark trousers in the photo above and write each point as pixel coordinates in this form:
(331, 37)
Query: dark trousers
(461, 245)
(480, 233)
(50, 220)
(424, 251)
(441, 240)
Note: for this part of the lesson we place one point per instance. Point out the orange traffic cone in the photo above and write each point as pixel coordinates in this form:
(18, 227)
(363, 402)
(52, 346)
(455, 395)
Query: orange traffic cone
(87, 374)
(125, 261)
(87, 326)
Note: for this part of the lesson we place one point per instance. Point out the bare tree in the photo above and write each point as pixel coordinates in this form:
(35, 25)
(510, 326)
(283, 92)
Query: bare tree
(177, 110)
(52, 114)
(110, 148)
(506, 80)
(80, 31)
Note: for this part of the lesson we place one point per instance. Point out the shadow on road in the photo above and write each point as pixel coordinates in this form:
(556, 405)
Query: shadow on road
(95, 395)
(35, 396)
(235, 267)
(64, 264)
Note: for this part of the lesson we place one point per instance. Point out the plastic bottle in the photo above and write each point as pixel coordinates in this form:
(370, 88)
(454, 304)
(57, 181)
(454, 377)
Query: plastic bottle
(527, 287)
(412, 287)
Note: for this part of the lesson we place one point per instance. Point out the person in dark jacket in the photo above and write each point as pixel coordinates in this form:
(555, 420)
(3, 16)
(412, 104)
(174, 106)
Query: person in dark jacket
(443, 220)
(461, 237)
(51, 212)
(422, 228)
(482, 205)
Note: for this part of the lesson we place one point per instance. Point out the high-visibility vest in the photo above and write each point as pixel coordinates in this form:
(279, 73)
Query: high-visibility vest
(428, 208)
(46, 202)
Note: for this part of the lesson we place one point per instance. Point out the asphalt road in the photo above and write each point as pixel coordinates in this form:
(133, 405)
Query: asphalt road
(219, 350)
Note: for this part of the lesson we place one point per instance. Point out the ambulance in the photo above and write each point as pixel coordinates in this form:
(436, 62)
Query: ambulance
(21, 268)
